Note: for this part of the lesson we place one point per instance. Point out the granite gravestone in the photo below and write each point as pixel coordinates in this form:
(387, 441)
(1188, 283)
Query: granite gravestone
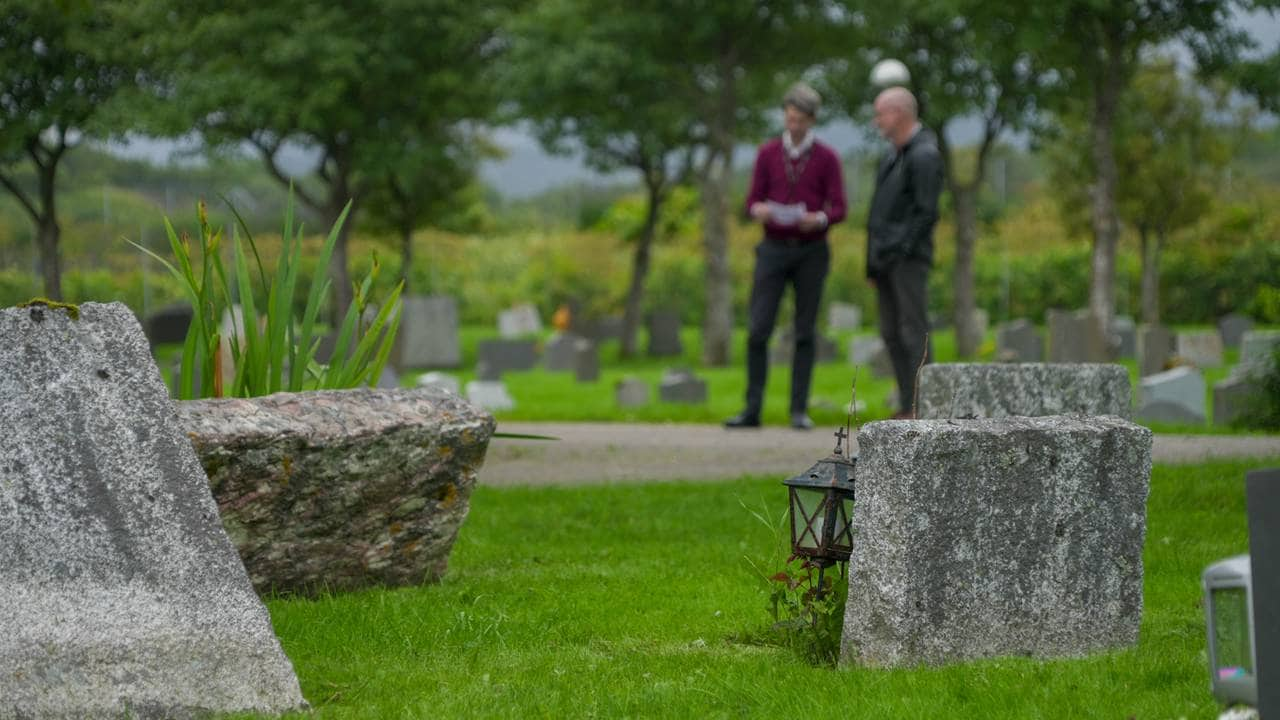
(586, 361)
(1176, 395)
(122, 595)
(1074, 337)
(1155, 346)
(680, 385)
(1124, 337)
(560, 352)
(490, 395)
(1000, 537)
(631, 392)
(428, 335)
(495, 357)
(1232, 327)
(1200, 348)
(993, 390)
(664, 334)
(519, 321)
(1019, 341)
(1232, 396)
(1257, 346)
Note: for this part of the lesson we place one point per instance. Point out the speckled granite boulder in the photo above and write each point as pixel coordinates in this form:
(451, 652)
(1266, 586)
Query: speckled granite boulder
(341, 489)
(981, 538)
(992, 390)
(120, 594)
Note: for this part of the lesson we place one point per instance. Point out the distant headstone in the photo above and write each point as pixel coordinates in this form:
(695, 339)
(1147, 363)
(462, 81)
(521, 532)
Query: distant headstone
(1001, 537)
(601, 328)
(519, 321)
(1232, 396)
(560, 352)
(1181, 386)
(1256, 347)
(1232, 327)
(994, 390)
(495, 357)
(1074, 337)
(631, 392)
(586, 361)
(1167, 411)
(1124, 336)
(1155, 346)
(981, 324)
(664, 334)
(441, 380)
(428, 335)
(169, 324)
(490, 395)
(1019, 341)
(784, 346)
(122, 595)
(680, 385)
(871, 352)
(843, 316)
(1201, 348)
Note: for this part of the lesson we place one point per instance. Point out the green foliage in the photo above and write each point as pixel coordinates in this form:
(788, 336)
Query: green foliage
(268, 352)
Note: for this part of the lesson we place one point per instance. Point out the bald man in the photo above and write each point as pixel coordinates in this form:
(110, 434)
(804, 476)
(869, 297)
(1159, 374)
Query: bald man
(904, 210)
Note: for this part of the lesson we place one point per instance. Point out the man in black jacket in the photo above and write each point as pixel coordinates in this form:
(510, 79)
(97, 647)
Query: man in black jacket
(904, 210)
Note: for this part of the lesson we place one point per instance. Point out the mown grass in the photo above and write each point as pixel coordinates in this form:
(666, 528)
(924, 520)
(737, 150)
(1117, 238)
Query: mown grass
(636, 600)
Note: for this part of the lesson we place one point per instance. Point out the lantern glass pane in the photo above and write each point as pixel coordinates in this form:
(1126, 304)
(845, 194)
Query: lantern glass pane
(809, 521)
(842, 536)
(1232, 639)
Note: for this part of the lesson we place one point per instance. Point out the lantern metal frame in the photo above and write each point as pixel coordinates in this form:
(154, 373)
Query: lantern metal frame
(833, 478)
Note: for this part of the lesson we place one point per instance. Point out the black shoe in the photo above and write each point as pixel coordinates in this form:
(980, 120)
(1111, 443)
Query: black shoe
(743, 420)
(801, 421)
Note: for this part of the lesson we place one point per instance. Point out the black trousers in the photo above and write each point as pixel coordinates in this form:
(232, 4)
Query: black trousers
(804, 266)
(904, 323)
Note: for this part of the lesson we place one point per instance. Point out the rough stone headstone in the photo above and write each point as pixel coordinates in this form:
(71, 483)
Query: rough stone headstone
(994, 390)
(1183, 386)
(560, 352)
(999, 537)
(1232, 396)
(428, 335)
(340, 489)
(490, 395)
(1019, 341)
(1256, 347)
(519, 321)
(1124, 336)
(1200, 348)
(784, 347)
(121, 594)
(680, 385)
(586, 361)
(1074, 337)
(1232, 327)
(495, 357)
(169, 324)
(444, 381)
(843, 316)
(664, 334)
(1155, 346)
(631, 392)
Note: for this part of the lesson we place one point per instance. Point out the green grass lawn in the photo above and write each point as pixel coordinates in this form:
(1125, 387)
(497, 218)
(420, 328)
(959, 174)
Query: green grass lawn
(632, 601)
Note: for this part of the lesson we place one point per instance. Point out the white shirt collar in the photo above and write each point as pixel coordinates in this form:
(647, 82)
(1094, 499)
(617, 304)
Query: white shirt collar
(795, 150)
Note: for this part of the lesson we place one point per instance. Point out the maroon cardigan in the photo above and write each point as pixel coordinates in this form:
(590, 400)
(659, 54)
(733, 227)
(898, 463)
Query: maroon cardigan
(819, 185)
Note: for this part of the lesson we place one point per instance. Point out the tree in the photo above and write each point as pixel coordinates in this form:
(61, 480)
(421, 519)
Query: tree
(59, 68)
(575, 76)
(1097, 51)
(337, 79)
(967, 58)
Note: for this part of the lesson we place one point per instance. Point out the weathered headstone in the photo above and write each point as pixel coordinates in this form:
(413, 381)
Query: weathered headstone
(843, 316)
(444, 381)
(824, 350)
(680, 385)
(1256, 347)
(1155, 346)
(1074, 337)
(340, 489)
(600, 328)
(586, 361)
(994, 390)
(1124, 336)
(121, 594)
(1181, 386)
(169, 324)
(519, 321)
(983, 538)
(1232, 327)
(490, 395)
(1019, 341)
(664, 334)
(1232, 396)
(428, 335)
(631, 392)
(871, 352)
(560, 352)
(1200, 348)
(494, 357)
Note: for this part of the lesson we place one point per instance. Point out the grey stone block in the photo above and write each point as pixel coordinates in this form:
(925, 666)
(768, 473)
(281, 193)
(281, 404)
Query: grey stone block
(631, 392)
(993, 390)
(843, 316)
(680, 385)
(1155, 346)
(1232, 327)
(1167, 411)
(1124, 337)
(1074, 337)
(310, 482)
(121, 593)
(984, 538)
(1182, 386)
(428, 336)
(586, 361)
(1019, 341)
(1256, 346)
(1232, 395)
(495, 357)
(560, 351)
(664, 334)
(519, 321)
(1202, 349)
(490, 395)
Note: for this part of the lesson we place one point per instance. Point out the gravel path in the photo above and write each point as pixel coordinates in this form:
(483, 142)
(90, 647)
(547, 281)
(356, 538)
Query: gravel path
(594, 453)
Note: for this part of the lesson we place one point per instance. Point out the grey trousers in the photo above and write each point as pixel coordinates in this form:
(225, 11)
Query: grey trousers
(904, 323)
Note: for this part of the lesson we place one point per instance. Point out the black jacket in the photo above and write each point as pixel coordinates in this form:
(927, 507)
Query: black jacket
(904, 208)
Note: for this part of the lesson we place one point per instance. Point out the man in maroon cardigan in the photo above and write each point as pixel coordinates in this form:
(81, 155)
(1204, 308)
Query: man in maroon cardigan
(797, 192)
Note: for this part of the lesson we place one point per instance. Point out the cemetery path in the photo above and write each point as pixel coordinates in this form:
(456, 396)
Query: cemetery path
(602, 453)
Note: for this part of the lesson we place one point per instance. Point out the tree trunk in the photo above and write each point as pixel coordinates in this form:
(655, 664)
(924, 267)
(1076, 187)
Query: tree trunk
(965, 199)
(639, 272)
(717, 331)
(1106, 225)
(338, 273)
(48, 232)
(1150, 276)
